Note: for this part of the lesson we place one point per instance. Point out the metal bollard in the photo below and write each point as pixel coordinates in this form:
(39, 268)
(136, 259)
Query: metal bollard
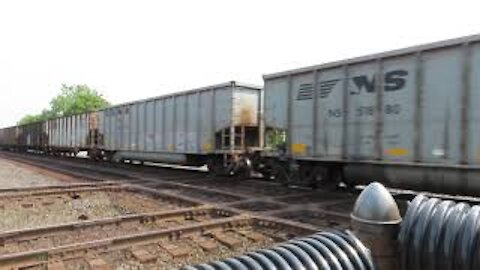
(376, 222)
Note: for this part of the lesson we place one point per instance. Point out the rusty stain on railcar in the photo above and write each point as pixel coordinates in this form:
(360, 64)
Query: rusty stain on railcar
(247, 116)
(94, 137)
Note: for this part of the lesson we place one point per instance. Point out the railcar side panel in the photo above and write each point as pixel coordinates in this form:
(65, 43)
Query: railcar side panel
(140, 128)
(170, 125)
(206, 120)
(180, 122)
(442, 91)
(408, 117)
(399, 111)
(160, 110)
(150, 119)
(301, 118)
(330, 113)
(223, 107)
(473, 101)
(192, 123)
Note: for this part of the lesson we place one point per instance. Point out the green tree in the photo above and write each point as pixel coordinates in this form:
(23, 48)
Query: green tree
(73, 99)
(77, 99)
(29, 118)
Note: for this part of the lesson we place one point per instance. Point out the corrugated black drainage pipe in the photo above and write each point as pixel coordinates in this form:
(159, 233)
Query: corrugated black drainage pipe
(322, 251)
(440, 234)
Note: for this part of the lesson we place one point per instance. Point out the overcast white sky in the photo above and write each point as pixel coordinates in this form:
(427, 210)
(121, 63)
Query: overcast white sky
(136, 49)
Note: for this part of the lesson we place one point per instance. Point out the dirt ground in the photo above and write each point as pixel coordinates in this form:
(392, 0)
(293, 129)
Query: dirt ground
(34, 212)
(13, 175)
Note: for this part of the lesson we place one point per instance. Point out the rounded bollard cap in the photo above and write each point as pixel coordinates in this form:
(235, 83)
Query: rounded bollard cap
(375, 205)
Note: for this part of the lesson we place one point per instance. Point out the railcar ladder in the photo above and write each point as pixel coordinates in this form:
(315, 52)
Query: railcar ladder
(239, 135)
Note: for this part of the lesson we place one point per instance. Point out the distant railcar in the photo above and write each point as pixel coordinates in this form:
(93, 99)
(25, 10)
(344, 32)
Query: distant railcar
(72, 134)
(213, 125)
(408, 118)
(31, 136)
(8, 138)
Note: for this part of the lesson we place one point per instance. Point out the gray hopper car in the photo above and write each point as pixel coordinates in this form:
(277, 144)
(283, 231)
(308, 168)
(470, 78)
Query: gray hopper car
(206, 125)
(212, 125)
(408, 118)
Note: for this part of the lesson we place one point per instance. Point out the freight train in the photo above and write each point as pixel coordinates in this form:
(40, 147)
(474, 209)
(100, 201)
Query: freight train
(409, 118)
(210, 125)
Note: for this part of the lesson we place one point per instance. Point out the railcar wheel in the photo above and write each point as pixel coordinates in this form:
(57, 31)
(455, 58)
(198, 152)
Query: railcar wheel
(281, 173)
(334, 178)
(307, 175)
(215, 168)
(320, 176)
(243, 170)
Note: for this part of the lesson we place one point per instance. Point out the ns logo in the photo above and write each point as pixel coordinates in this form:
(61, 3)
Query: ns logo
(392, 81)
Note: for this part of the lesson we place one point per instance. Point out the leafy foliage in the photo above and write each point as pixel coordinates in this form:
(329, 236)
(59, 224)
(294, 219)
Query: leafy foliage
(30, 118)
(276, 138)
(77, 99)
(43, 116)
(72, 100)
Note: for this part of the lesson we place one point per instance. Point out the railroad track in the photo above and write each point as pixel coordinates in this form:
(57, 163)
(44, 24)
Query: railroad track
(210, 218)
(154, 218)
(164, 249)
(16, 241)
(163, 218)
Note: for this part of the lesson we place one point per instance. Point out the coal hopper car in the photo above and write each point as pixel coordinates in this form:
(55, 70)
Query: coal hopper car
(212, 125)
(409, 118)
(215, 125)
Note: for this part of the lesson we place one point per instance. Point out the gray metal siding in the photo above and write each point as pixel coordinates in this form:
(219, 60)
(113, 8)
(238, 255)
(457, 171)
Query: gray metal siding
(223, 108)
(127, 134)
(207, 118)
(473, 116)
(181, 109)
(276, 100)
(421, 106)
(56, 128)
(160, 125)
(302, 108)
(169, 128)
(78, 130)
(73, 131)
(399, 111)
(83, 129)
(441, 110)
(133, 125)
(150, 121)
(68, 130)
(192, 124)
(361, 126)
(141, 126)
(330, 102)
